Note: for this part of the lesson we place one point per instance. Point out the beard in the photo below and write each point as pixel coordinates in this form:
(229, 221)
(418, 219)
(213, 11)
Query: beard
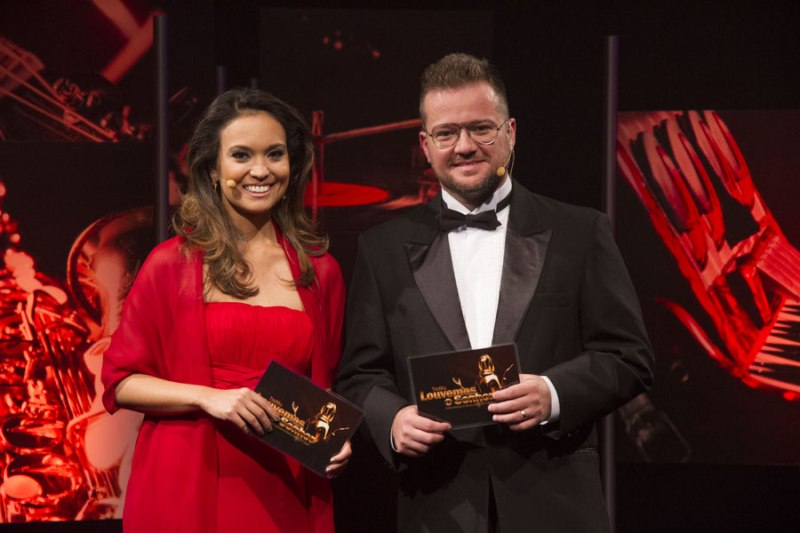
(476, 194)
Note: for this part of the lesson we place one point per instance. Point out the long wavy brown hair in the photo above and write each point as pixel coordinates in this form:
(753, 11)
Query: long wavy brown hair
(201, 218)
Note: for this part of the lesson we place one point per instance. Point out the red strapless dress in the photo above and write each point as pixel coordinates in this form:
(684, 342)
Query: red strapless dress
(260, 489)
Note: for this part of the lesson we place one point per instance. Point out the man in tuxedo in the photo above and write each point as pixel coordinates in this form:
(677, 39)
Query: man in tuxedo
(488, 262)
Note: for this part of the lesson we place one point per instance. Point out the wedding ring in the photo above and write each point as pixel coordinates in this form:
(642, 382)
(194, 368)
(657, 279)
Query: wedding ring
(524, 416)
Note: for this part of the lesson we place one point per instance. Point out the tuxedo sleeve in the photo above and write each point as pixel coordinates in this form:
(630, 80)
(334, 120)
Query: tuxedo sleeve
(616, 362)
(367, 375)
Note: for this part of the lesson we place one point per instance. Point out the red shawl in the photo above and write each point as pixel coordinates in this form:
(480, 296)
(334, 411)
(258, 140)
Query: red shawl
(172, 486)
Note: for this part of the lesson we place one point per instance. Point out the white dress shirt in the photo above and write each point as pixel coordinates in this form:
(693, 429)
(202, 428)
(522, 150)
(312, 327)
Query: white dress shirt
(477, 257)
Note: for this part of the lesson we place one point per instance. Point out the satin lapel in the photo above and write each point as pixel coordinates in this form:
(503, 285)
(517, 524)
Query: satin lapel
(526, 247)
(429, 257)
(522, 267)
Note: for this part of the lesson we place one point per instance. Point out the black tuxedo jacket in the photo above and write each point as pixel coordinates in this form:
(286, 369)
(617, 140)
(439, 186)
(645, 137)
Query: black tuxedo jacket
(565, 299)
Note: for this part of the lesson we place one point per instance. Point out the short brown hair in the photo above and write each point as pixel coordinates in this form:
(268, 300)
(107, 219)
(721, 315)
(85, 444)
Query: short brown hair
(458, 70)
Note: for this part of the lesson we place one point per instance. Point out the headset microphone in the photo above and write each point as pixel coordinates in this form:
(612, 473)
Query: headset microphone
(501, 170)
(230, 183)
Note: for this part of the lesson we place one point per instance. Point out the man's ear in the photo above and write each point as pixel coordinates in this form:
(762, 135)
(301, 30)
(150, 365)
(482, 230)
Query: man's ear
(424, 145)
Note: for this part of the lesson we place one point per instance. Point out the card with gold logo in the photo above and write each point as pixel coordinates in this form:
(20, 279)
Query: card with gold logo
(457, 386)
(314, 423)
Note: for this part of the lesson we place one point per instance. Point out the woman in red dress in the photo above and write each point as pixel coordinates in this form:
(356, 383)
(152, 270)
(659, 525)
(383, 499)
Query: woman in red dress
(245, 282)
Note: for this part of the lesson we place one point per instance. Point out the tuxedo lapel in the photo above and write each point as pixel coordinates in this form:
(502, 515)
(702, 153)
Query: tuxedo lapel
(526, 247)
(522, 267)
(429, 257)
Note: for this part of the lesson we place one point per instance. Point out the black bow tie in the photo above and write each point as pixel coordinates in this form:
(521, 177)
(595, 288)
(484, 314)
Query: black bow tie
(486, 220)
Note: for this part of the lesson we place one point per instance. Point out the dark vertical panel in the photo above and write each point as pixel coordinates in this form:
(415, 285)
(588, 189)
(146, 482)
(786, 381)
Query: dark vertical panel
(161, 215)
(608, 462)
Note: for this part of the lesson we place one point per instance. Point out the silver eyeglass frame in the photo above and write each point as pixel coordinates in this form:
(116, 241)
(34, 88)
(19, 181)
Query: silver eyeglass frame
(465, 126)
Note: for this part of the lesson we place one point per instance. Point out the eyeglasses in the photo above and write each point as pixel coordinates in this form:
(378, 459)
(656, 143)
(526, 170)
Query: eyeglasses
(481, 131)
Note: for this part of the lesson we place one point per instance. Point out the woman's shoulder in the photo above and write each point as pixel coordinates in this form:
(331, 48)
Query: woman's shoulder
(326, 262)
(326, 268)
(169, 254)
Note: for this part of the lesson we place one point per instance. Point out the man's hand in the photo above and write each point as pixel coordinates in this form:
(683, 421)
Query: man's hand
(524, 405)
(413, 435)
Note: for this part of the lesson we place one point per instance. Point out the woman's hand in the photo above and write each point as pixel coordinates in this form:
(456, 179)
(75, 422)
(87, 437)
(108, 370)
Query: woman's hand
(248, 410)
(339, 461)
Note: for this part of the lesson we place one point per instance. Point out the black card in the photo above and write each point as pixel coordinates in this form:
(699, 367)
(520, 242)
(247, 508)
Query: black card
(314, 423)
(457, 386)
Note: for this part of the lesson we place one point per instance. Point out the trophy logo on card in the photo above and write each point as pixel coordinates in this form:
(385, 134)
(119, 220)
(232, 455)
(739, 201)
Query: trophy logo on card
(318, 428)
(476, 395)
(457, 386)
(488, 381)
(313, 423)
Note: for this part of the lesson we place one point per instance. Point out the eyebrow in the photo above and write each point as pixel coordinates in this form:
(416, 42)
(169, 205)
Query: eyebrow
(248, 148)
(466, 124)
